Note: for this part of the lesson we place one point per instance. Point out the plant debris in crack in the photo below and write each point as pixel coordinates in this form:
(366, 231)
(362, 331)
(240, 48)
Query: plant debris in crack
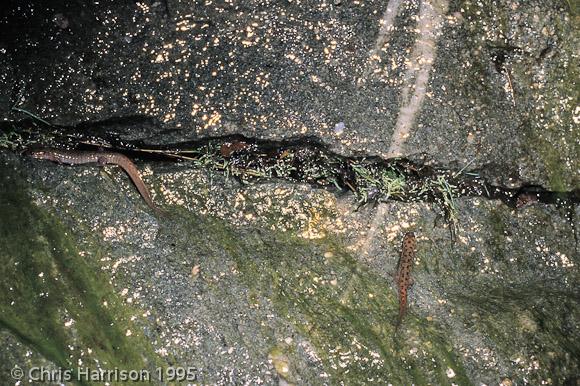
(305, 160)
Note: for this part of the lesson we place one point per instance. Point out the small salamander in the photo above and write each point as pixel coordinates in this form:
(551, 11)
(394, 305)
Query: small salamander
(74, 157)
(403, 278)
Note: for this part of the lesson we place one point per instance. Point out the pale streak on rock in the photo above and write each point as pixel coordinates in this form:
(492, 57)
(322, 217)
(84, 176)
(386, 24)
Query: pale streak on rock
(431, 17)
(387, 25)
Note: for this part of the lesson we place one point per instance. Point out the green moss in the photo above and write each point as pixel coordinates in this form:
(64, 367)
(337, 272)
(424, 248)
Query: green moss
(278, 356)
(572, 6)
(541, 337)
(345, 310)
(45, 282)
(555, 133)
(554, 163)
(545, 82)
(497, 219)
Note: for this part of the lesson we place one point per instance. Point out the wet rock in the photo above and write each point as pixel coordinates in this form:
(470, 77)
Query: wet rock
(497, 90)
(245, 281)
(288, 279)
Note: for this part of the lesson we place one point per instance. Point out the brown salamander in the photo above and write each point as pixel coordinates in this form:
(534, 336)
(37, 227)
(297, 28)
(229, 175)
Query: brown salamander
(404, 268)
(75, 157)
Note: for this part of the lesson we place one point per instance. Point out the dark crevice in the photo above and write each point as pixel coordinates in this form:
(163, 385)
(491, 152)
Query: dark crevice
(305, 160)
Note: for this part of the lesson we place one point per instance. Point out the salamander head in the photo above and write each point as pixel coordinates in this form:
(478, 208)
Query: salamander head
(409, 241)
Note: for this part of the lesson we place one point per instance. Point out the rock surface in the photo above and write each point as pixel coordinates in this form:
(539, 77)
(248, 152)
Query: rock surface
(280, 283)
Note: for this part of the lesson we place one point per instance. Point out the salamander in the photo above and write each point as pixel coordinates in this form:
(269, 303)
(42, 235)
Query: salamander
(75, 157)
(403, 277)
